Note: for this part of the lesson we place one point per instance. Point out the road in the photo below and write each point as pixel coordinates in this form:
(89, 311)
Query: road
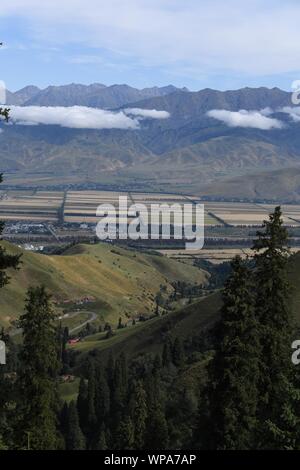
(93, 317)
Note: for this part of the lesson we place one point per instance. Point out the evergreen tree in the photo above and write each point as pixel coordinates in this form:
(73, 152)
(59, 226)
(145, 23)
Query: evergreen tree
(120, 385)
(124, 436)
(101, 442)
(38, 384)
(178, 355)
(235, 367)
(157, 364)
(110, 371)
(82, 403)
(139, 414)
(74, 439)
(102, 396)
(63, 419)
(157, 434)
(91, 397)
(167, 353)
(276, 391)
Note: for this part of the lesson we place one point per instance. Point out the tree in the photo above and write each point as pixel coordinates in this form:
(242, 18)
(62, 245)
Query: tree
(102, 396)
(235, 366)
(139, 414)
(167, 353)
(157, 434)
(82, 403)
(75, 439)
(101, 443)
(276, 391)
(120, 382)
(124, 436)
(91, 396)
(38, 384)
(178, 353)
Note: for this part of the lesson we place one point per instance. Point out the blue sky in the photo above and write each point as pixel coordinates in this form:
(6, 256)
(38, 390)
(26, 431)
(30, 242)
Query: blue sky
(193, 43)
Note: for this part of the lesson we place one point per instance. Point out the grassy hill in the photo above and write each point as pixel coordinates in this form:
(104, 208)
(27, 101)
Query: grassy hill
(191, 320)
(150, 336)
(122, 282)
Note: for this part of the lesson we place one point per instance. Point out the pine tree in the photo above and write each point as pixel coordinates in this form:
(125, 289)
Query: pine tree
(276, 390)
(91, 398)
(167, 353)
(63, 419)
(178, 356)
(124, 436)
(157, 434)
(101, 442)
(119, 387)
(102, 396)
(74, 439)
(82, 404)
(38, 385)
(234, 369)
(139, 414)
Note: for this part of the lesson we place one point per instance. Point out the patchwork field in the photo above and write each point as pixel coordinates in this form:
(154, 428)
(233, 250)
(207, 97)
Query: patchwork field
(30, 205)
(215, 256)
(250, 214)
(81, 206)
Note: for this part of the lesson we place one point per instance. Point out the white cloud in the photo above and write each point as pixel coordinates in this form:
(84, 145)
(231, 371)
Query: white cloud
(243, 118)
(78, 117)
(147, 113)
(294, 113)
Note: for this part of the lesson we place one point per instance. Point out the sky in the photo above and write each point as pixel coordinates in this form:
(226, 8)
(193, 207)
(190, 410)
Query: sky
(194, 43)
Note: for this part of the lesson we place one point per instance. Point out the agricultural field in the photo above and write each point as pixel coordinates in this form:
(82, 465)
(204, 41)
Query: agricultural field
(215, 256)
(80, 207)
(30, 206)
(250, 214)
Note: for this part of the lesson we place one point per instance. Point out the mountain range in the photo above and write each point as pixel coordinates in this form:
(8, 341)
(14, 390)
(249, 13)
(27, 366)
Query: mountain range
(94, 95)
(190, 152)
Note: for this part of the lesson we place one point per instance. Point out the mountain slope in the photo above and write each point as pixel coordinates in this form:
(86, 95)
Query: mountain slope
(281, 185)
(122, 282)
(192, 320)
(189, 152)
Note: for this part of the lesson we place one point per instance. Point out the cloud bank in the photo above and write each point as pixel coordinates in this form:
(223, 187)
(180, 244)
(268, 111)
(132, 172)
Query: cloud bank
(243, 118)
(294, 113)
(81, 117)
(147, 113)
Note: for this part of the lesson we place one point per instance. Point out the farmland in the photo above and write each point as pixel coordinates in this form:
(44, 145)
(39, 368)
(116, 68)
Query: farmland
(80, 207)
(56, 218)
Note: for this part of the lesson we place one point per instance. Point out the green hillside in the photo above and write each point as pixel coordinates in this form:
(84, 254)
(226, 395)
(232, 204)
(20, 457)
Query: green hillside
(120, 282)
(150, 336)
(191, 320)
